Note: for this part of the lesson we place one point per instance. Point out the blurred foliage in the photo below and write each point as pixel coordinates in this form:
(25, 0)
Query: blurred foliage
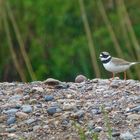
(55, 40)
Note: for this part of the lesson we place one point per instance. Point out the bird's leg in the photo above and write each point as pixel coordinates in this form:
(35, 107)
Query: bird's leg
(125, 75)
(113, 75)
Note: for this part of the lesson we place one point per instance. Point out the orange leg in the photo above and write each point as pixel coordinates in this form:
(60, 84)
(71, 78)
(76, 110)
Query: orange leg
(124, 75)
(113, 75)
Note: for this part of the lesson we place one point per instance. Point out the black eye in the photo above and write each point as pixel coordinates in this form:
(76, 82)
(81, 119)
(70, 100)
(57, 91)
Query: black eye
(105, 56)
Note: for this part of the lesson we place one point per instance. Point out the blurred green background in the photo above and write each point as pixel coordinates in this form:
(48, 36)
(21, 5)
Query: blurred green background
(63, 38)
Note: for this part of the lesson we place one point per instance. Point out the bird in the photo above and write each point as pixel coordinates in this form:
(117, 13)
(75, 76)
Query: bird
(114, 64)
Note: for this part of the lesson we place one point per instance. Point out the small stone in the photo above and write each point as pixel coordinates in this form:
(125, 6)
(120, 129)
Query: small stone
(37, 89)
(15, 98)
(26, 108)
(11, 120)
(21, 115)
(10, 130)
(11, 111)
(80, 79)
(69, 106)
(18, 106)
(33, 101)
(51, 82)
(12, 136)
(39, 105)
(115, 134)
(69, 96)
(78, 114)
(36, 128)
(49, 98)
(135, 109)
(98, 129)
(46, 127)
(51, 110)
(90, 87)
(114, 84)
(108, 109)
(95, 111)
(133, 117)
(126, 136)
(62, 85)
(91, 125)
(137, 134)
(65, 122)
(30, 121)
(2, 118)
(26, 97)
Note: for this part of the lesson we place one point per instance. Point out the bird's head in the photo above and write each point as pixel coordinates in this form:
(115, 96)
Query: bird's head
(105, 57)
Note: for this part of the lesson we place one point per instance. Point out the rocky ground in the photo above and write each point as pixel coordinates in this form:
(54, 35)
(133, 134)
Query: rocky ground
(54, 110)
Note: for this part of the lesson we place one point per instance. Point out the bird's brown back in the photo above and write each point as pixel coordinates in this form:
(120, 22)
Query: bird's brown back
(119, 61)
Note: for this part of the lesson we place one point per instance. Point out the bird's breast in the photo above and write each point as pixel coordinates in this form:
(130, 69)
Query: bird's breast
(115, 68)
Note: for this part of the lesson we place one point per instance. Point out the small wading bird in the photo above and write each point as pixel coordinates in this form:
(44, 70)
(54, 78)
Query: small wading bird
(115, 65)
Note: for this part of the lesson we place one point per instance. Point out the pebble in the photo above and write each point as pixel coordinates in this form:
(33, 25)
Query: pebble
(30, 121)
(2, 118)
(133, 117)
(51, 82)
(135, 109)
(26, 97)
(11, 111)
(21, 115)
(98, 129)
(10, 130)
(80, 79)
(37, 89)
(95, 111)
(78, 114)
(114, 84)
(51, 110)
(36, 128)
(91, 125)
(69, 106)
(15, 98)
(137, 134)
(49, 98)
(115, 134)
(11, 120)
(26, 108)
(18, 106)
(126, 136)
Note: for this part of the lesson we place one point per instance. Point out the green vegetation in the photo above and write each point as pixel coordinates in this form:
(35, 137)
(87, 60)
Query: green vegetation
(61, 38)
(107, 123)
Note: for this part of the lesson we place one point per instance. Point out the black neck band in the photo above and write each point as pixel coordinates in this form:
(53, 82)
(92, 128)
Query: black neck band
(106, 61)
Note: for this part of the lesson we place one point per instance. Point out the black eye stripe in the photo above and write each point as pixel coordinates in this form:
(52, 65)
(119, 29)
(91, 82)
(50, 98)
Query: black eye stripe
(107, 60)
(104, 55)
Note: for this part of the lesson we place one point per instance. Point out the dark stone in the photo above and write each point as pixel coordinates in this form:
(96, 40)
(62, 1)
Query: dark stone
(115, 134)
(49, 98)
(51, 110)
(11, 120)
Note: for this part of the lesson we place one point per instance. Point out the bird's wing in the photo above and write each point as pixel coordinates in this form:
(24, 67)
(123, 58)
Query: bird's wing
(119, 61)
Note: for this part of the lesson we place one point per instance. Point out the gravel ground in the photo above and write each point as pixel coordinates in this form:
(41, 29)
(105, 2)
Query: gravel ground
(49, 110)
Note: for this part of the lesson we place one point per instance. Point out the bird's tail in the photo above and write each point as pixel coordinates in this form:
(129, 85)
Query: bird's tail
(134, 63)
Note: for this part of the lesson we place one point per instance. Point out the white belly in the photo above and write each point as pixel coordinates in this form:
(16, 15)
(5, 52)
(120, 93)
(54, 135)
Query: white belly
(115, 68)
